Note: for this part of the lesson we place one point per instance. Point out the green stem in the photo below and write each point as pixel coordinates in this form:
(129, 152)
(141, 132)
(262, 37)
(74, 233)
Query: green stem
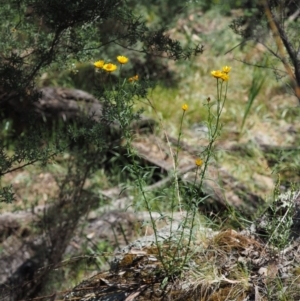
(175, 173)
(214, 134)
(148, 207)
(194, 209)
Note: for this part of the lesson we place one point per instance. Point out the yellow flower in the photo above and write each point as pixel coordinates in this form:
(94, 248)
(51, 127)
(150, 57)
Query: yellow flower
(109, 67)
(225, 77)
(198, 162)
(184, 107)
(134, 78)
(217, 74)
(99, 64)
(226, 69)
(122, 59)
(220, 74)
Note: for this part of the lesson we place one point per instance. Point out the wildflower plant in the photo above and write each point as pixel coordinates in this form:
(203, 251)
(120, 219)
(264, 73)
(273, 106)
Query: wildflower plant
(133, 78)
(213, 120)
(99, 64)
(202, 163)
(193, 201)
(109, 67)
(122, 59)
(176, 256)
(119, 100)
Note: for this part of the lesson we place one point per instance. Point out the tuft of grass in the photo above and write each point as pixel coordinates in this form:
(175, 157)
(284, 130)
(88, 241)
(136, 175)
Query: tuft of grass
(254, 89)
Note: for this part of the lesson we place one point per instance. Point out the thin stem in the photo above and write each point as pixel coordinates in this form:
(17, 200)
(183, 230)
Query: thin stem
(172, 156)
(194, 210)
(214, 134)
(176, 163)
(148, 207)
(176, 183)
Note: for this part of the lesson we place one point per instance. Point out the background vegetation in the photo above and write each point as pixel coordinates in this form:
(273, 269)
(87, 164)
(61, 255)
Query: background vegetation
(173, 47)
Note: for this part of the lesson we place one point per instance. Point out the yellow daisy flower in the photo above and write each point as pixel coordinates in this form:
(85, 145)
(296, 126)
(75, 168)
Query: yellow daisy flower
(217, 74)
(184, 107)
(109, 67)
(225, 77)
(226, 69)
(133, 78)
(220, 74)
(198, 162)
(99, 64)
(122, 59)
